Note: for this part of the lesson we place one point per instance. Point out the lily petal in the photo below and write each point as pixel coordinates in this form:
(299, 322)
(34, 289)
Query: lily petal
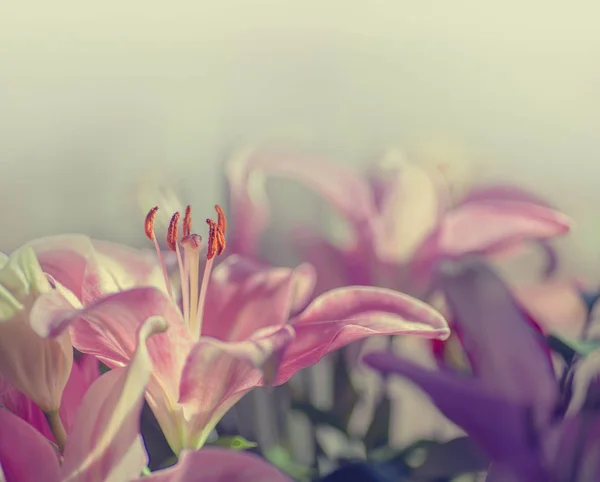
(336, 266)
(408, 205)
(506, 436)
(83, 373)
(506, 349)
(349, 194)
(487, 227)
(18, 441)
(107, 422)
(245, 296)
(66, 259)
(502, 192)
(219, 465)
(38, 368)
(217, 374)
(344, 315)
(92, 268)
(106, 329)
(556, 306)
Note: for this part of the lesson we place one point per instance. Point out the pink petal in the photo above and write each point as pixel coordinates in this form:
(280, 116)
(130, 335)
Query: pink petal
(409, 206)
(107, 422)
(349, 194)
(129, 267)
(502, 192)
(15, 402)
(487, 227)
(24, 453)
(83, 372)
(344, 315)
(244, 296)
(66, 259)
(106, 329)
(217, 374)
(93, 268)
(556, 306)
(37, 367)
(335, 267)
(219, 465)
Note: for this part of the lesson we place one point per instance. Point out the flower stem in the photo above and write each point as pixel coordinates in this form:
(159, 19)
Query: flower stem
(57, 428)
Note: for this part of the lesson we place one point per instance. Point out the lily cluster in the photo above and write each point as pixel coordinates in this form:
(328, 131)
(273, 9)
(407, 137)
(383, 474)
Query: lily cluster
(189, 330)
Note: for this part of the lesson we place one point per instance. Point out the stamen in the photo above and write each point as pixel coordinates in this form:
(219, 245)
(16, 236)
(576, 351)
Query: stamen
(187, 221)
(191, 246)
(221, 242)
(221, 219)
(213, 241)
(172, 233)
(149, 223)
(149, 229)
(172, 238)
(216, 246)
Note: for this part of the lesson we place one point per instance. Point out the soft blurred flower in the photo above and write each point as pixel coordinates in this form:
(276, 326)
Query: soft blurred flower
(37, 367)
(402, 219)
(511, 405)
(84, 372)
(243, 318)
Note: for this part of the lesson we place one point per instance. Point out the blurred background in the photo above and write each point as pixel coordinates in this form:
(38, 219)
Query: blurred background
(95, 95)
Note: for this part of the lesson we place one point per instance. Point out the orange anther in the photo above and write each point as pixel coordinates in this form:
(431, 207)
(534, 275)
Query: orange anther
(172, 233)
(149, 223)
(221, 219)
(187, 221)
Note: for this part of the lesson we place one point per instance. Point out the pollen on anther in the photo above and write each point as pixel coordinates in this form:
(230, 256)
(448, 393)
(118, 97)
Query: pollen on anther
(221, 243)
(212, 239)
(187, 221)
(172, 234)
(149, 223)
(221, 219)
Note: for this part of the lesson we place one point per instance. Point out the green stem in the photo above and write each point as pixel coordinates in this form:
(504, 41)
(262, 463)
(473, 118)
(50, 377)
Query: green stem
(146, 471)
(58, 429)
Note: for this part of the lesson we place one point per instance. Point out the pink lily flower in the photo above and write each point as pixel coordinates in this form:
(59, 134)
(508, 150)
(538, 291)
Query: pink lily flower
(105, 444)
(84, 372)
(401, 219)
(231, 324)
(38, 368)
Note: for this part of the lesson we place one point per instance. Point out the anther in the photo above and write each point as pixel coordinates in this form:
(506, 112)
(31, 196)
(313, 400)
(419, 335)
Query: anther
(213, 246)
(149, 223)
(221, 220)
(187, 221)
(172, 234)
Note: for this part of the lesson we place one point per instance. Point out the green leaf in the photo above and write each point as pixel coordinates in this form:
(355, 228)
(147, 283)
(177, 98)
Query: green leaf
(569, 348)
(236, 442)
(281, 458)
